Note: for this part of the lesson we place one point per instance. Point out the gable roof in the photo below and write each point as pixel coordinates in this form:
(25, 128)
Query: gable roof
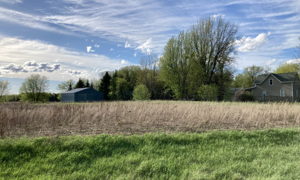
(283, 77)
(76, 90)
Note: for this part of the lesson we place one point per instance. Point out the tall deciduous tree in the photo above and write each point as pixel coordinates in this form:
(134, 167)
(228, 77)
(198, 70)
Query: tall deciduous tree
(176, 65)
(104, 85)
(34, 87)
(3, 88)
(247, 78)
(253, 71)
(199, 57)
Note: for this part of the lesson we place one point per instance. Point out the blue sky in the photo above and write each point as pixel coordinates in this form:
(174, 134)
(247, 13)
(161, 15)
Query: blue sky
(68, 39)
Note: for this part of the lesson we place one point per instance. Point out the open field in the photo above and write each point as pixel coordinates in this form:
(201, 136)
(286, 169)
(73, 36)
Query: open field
(20, 119)
(267, 154)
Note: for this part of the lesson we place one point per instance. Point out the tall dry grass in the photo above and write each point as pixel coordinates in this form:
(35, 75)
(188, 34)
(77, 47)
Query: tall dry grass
(21, 119)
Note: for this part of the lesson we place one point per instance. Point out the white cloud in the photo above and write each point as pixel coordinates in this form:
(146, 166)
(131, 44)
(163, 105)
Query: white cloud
(124, 61)
(127, 45)
(29, 66)
(271, 62)
(89, 49)
(215, 16)
(293, 61)
(19, 58)
(247, 44)
(146, 46)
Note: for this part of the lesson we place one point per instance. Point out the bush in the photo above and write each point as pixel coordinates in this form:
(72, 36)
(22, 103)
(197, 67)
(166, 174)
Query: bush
(208, 92)
(141, 92)
(245, 96)
(10, 98)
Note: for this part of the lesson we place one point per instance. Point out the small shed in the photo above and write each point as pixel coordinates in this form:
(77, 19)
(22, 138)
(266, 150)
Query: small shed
(82, 95)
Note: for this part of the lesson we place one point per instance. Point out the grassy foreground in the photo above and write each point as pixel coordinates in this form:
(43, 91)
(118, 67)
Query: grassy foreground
(267, 154)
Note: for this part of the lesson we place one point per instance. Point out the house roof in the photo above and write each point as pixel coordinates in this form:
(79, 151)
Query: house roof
(76, 90)
(283, 77)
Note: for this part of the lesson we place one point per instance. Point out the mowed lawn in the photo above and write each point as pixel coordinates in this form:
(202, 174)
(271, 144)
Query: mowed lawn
(261, 154)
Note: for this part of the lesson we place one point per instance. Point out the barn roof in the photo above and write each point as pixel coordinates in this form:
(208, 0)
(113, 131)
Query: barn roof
(76, 90)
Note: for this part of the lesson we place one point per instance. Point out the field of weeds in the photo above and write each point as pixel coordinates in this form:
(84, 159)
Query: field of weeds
(22, 119)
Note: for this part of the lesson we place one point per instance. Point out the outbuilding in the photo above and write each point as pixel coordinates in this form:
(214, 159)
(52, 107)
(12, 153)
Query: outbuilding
(82, 95)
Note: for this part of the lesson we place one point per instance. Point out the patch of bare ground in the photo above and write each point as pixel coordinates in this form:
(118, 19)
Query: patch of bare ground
(24, 119)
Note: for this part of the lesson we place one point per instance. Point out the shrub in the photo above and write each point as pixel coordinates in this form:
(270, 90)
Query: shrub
(208, 92)
(141, 92)
(245, 96)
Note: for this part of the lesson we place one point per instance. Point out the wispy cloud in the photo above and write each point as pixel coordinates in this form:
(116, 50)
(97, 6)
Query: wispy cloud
(147, 25)
(11, 1)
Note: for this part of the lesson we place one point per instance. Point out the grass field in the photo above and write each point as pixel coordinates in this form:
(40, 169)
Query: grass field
(266, 154)
(19, 119)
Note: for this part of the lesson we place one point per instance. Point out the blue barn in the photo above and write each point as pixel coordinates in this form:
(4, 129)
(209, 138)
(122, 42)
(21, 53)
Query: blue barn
(82, 95)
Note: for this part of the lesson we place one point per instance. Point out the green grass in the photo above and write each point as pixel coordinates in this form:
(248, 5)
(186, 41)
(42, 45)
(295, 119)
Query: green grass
(268, 154)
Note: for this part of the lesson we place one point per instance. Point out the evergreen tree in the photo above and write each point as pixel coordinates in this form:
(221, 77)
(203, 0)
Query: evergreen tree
(104, 85)
(80, 84)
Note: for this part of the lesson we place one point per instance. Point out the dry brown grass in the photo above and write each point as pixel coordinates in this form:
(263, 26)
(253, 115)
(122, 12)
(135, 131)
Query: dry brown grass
(20, 119)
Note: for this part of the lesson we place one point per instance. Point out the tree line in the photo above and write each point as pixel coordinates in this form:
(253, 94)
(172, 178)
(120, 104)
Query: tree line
(195, 65)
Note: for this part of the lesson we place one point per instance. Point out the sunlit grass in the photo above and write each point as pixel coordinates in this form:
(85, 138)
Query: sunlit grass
(268, 154)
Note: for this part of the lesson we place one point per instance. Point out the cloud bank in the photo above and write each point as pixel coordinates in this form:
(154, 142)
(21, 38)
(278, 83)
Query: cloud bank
(56, 62)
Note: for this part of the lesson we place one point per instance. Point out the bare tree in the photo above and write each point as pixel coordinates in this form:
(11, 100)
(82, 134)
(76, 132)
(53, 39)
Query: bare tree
(3, 88)
(213, 44)
(149, 72)
(67, 85)
(253, 71)
(34, 87)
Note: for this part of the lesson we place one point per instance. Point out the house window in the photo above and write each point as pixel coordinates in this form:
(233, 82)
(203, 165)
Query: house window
(271, 82)
(282, 92)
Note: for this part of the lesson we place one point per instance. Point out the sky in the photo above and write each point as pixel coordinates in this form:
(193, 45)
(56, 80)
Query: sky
(69, 39)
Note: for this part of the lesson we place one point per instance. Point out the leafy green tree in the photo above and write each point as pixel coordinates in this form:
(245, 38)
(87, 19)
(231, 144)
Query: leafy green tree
(113, 86)
(247, 78)
(141, 92)
(175, 65)
(104, 85)
(208, 92)
(253, 71)
(242, 81)
(200, 56)
(34, 87)
(123, 89)
(80, 84)
(287, 68)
